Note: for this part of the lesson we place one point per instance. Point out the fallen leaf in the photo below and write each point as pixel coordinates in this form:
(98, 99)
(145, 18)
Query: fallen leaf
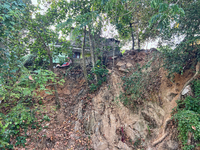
(30, 77)
(51, 138)
(193, 127)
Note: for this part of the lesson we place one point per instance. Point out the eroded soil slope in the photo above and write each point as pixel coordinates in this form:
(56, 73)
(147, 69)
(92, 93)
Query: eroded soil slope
(100, 121)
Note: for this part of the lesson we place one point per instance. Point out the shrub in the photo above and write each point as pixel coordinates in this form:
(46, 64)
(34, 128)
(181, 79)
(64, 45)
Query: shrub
(141, 83)
(101, 73)
(18, 119)
(188, 117)
(17, 99)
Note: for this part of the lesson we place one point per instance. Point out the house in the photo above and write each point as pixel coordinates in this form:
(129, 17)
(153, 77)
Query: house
(106, 48)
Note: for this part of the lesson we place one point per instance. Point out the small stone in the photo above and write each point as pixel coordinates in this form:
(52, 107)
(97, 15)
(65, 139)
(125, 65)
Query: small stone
(132, 134)
(187, 90)
(114, 57)
(172, 144)
(109, 71)
(123, 69)
(121, 63)
(123, 146)
(129, 65)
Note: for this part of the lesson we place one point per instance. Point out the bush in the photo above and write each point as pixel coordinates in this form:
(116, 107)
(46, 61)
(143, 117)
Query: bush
(188, 117)
(17, 96)
(188, 121)
(17, 120)
(101, 73)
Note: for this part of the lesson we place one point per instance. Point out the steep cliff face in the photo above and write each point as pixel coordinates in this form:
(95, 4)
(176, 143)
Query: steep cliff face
(148, 126)
(110, 121)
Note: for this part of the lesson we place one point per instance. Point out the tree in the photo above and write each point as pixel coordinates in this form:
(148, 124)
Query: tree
(10, 25)
(131, 20)
(79, 16)
(174, 21)
(83, 55)
(43, 41)
(33, 35)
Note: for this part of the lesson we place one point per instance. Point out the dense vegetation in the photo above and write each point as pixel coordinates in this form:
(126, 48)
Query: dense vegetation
(188, 116)
(28, 29)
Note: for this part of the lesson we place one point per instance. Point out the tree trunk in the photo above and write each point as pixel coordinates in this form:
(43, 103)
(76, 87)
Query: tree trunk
(92, 50)
(138, 43)
(132, 36)
(55, 85)
(113, 57)
(83, 56)
(138, 37)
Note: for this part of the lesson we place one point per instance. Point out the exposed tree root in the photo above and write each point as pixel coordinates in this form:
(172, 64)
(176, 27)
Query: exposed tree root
(166, 123)
(165, 134)
(160, 139)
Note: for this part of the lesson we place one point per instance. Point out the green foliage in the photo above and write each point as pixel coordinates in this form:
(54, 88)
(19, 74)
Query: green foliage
(10, 12)
(175, 23)
(166, 11)
(23, 94)
(3, 142)
(135, 91)
(196, 87)
(46, 118)
(123, 52)
(21, 33)
(192, 104)
(186, 120)
(131, 19)
(170, 57)
(16, 121)
(24, 89)
(188, 117)
(101, 72)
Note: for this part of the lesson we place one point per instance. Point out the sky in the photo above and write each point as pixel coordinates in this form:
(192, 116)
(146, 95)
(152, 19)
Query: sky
(34, 2)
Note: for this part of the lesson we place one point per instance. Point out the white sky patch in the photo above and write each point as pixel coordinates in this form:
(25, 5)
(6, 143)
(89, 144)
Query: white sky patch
(34, 2)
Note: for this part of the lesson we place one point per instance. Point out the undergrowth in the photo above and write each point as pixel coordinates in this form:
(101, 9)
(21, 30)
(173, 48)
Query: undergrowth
(183, 57)
(141, 83)
(188, 117)
(17, 108)
(101, 73)
(16, 123)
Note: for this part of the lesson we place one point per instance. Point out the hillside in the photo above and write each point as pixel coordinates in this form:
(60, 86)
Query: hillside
(67, 80)
(101, 121)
